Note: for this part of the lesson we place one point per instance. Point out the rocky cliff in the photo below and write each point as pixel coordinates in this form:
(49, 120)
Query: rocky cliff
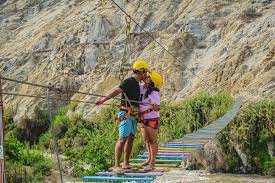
(79, 43)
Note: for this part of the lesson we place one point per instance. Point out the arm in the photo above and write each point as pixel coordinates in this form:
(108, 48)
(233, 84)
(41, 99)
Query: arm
(114, 93)
(156, 107)
(155, 99)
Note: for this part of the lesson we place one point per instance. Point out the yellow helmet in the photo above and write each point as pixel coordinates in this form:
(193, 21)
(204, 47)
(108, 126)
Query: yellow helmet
(140, 64)
(156, 78)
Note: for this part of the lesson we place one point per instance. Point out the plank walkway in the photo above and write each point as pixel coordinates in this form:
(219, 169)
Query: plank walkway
(171, 154)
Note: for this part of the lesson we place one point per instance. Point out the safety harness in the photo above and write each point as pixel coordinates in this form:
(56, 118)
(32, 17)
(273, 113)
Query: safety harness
(139, 116)
(128, 109)
(152, 122)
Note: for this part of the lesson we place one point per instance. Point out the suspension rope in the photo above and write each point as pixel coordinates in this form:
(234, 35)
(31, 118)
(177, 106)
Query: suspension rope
(51, 87)
(152, 37)
(58, 89)
(84, 93)
(52, 98)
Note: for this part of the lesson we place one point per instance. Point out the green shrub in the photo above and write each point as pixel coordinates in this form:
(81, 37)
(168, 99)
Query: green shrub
(30, 129)
(14, 148)
(20, 154)
(44, 141)
(251, 130)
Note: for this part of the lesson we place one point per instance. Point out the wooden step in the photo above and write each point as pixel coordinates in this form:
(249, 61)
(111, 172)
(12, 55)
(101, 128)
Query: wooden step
(157, 161)
(116, 179)
(182, 145)
(199, 135)
(171, 165)
(203, 141)
(170, 154)
(175, 149)
(115, 174)
(207, 128)
(170, 157)
(201, 138)
(188, 143)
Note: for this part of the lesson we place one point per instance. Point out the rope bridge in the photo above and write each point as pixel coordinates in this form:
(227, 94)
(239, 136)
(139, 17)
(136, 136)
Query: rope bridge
(172, 153)
(169, 155)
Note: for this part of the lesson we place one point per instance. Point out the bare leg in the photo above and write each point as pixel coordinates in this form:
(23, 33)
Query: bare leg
(128, 149)
(153, 145)
(146, 141)
(119, 146)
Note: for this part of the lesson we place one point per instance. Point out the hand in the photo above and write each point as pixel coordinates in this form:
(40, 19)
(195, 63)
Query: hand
(101, 101)
(156, 107)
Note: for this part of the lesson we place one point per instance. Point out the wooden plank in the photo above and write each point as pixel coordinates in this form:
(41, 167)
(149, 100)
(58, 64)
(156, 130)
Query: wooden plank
(181, 157)
(196, 138)
(114, 174)
(193, 141)
(171, 165)
(116, 179)
(169, 153)
(199, 135)
(157, 161)
(201, 138)
(150, 174)
(177, 149)
(207, 128)
(183, 145)
(187, 143)
(190, 141)
(162, 170)
(205, 132)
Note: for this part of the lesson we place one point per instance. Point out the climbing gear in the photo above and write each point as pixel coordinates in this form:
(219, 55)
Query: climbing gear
(123, 63)
(156, 78)
(139, 115)
(148, 122)
(128, 111)
(153, 123)
(141, 65)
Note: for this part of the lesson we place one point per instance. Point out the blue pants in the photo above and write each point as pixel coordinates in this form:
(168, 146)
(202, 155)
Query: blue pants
(127, 126)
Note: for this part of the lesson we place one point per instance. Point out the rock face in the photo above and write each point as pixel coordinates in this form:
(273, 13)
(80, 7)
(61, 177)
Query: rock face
(210, 157)
(79, 44)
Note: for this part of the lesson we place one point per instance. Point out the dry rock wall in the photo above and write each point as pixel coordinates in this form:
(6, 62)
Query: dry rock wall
(80, 43)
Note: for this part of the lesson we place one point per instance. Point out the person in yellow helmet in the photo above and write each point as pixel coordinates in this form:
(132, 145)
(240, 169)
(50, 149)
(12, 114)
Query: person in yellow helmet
(130, 95)
(149, 107)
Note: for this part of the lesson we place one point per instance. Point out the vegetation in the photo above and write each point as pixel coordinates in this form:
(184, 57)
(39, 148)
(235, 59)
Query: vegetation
(88, 145)
(21, 152)
(251, 131)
